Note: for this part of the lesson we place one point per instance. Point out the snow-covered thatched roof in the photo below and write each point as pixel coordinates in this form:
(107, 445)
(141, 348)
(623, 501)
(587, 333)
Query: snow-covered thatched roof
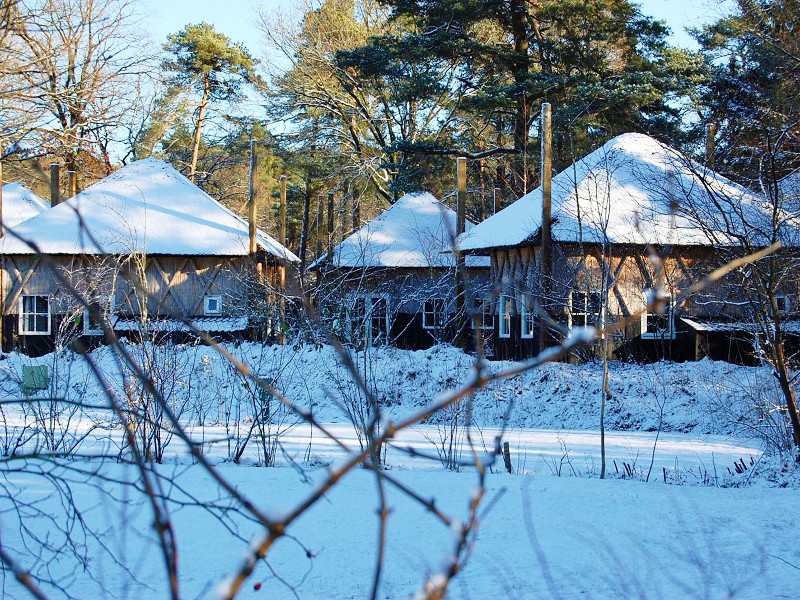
(146, 206)
(20, 204)
(416, 231)
(632, 190)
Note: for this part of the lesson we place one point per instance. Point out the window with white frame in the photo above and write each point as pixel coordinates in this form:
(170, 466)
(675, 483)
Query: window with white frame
(212, 305)
(482, 307)
(585, 307)
(433, 313)
(527, 316)
(34, 315)
(658, 322)
(368, 318)
(504, 316)
(99, 310)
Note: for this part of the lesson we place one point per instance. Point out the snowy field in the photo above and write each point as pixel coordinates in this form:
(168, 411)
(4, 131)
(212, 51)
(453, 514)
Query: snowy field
(716, 517)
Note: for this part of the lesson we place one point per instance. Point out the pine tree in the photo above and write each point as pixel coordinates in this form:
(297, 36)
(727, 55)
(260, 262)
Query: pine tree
(213, 66)
(604, 66)
(753, 97)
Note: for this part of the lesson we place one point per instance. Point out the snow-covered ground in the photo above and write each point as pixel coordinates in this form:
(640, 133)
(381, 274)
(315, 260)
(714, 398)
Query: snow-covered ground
(696, 528)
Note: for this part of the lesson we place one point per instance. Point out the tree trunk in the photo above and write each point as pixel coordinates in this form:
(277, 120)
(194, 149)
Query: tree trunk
(304, 230)
(198, 130)
(783, 376)
(521, 66)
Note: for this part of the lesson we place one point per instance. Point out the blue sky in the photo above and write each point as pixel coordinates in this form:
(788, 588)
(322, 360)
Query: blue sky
(236, 18)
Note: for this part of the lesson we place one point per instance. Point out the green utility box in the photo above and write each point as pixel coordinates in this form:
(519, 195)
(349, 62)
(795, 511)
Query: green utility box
(34, 378)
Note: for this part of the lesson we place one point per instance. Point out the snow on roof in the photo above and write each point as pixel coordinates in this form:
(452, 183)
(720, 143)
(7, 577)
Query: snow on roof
(789, 186)
(20, 204)
(627, 190)
(207, 324)
(416, 231)
(146, 206)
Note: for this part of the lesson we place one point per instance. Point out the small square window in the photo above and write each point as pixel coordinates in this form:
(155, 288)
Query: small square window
(212, 305)
(34, 315)
(585, 307)
(433, 315)
(93, 317)
(482, 307)
(659, 325)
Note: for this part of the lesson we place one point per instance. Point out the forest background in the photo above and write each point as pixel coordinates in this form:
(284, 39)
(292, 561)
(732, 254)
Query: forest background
(372, 99)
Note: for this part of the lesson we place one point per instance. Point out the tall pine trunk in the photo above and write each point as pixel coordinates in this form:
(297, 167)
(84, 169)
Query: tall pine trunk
(198, 130)
(521, 66)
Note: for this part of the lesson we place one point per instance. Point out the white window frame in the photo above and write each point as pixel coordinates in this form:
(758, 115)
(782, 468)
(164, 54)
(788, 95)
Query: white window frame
(106, 310)
(484, 307)
(369, 300)
(669, 312)
(527, 318)
(23, 330)
(435, 317)
(583, 311)
(504, 316)
(207, 300)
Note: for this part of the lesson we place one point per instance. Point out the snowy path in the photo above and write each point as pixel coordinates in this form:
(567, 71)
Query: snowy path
(548, 451)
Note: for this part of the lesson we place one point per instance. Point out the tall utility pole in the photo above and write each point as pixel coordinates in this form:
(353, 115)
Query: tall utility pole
(461, 217)
(251, 199)
(282, 270)
(546, 250)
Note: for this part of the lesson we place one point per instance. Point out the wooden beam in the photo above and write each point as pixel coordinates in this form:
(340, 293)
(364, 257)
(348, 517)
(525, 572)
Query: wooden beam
(318, 223)
(710, 146)
(331, 223)
(1, 195)
(282, 214)
(545, 262)
(461, 194)
(55, 194)
(73, 184)
(251, 197)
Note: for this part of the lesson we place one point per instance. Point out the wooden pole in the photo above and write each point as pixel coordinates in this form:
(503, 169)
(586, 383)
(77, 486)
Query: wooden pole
(461, 212)
(55, 194)
(304, 229)
(320, 200)
(495, 200)
(2, 261)
(251, 199)
(1, 200)
(356, 211)
(331, 224)
(710, 146)
(73, 183)
(282, 214)
(461, 194)
(282, 267)
(545, 262)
